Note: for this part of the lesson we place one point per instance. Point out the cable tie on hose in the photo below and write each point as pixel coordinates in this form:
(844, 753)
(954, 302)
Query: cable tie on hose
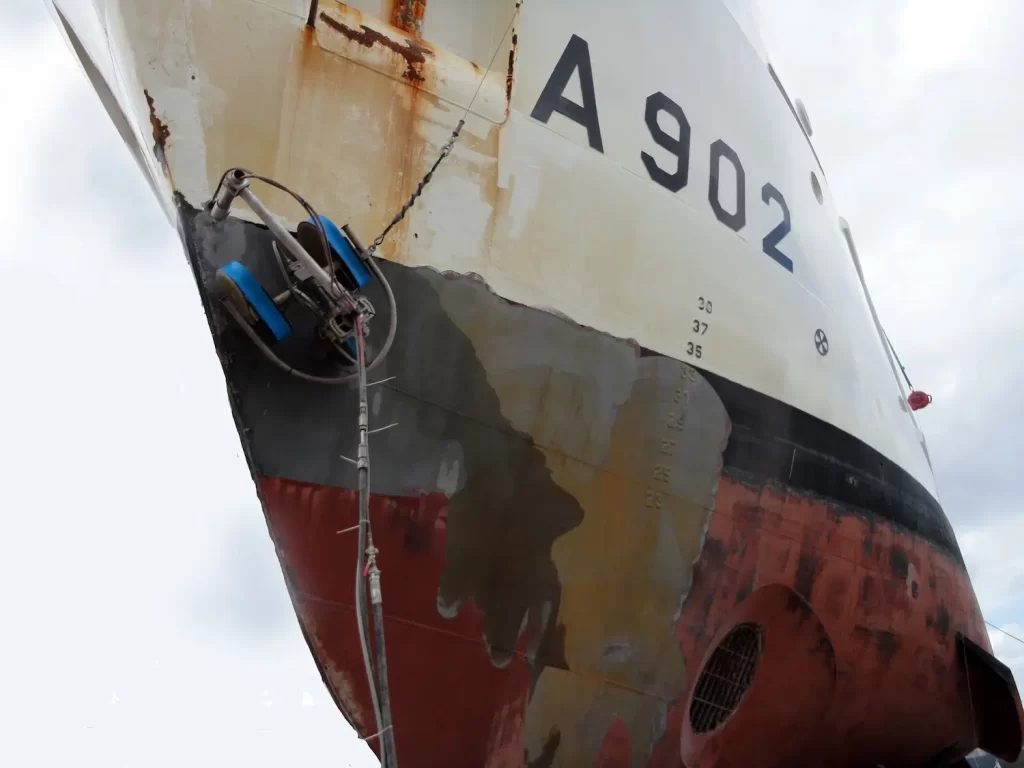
(374, 736)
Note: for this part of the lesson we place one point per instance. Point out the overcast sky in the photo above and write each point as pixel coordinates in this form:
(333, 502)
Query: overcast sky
(146, 620)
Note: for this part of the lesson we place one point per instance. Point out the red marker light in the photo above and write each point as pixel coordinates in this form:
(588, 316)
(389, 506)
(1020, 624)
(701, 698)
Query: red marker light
(918, 400)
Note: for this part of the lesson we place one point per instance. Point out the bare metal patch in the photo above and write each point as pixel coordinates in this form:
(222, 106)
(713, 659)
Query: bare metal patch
(634, 442)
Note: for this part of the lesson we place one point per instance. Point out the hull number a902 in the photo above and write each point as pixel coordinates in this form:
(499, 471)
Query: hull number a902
(732, 213)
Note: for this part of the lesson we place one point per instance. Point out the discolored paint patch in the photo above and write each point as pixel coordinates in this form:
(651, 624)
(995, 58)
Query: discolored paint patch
(414, 54)
(616, 653)
(646, 511)
(806, 573)
(942, 620)
(886, 643)
(835, 600)
(899, 563)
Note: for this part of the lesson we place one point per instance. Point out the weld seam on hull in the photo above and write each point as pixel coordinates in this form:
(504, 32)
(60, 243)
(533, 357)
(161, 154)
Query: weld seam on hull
(524, 657)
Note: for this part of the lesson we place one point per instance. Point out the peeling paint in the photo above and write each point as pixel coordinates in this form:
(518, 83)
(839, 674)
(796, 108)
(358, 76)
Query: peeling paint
(900, 564)
(161, 133)
(337, 679)
(448, 609)
(510, 74)
(448, 476)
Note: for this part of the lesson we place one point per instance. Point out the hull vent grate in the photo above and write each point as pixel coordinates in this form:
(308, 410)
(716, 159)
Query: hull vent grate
(725, 678)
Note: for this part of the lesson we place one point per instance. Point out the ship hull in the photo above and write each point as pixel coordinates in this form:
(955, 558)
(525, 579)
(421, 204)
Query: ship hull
(569, 524)
(640, 406)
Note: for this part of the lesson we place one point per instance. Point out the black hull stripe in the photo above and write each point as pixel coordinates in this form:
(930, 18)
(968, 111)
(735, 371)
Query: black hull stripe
(775, 442)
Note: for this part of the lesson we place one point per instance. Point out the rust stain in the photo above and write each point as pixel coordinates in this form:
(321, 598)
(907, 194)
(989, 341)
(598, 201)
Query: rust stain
(806, 573)
(308, 40)
(510, 76)
(160, 133)
(942, 620)
(882, 642)
(408, 15)
(900, 564)
(414, 53)
(351, 48)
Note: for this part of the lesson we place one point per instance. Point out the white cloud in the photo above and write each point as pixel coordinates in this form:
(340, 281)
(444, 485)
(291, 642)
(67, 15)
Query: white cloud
(941, 34)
